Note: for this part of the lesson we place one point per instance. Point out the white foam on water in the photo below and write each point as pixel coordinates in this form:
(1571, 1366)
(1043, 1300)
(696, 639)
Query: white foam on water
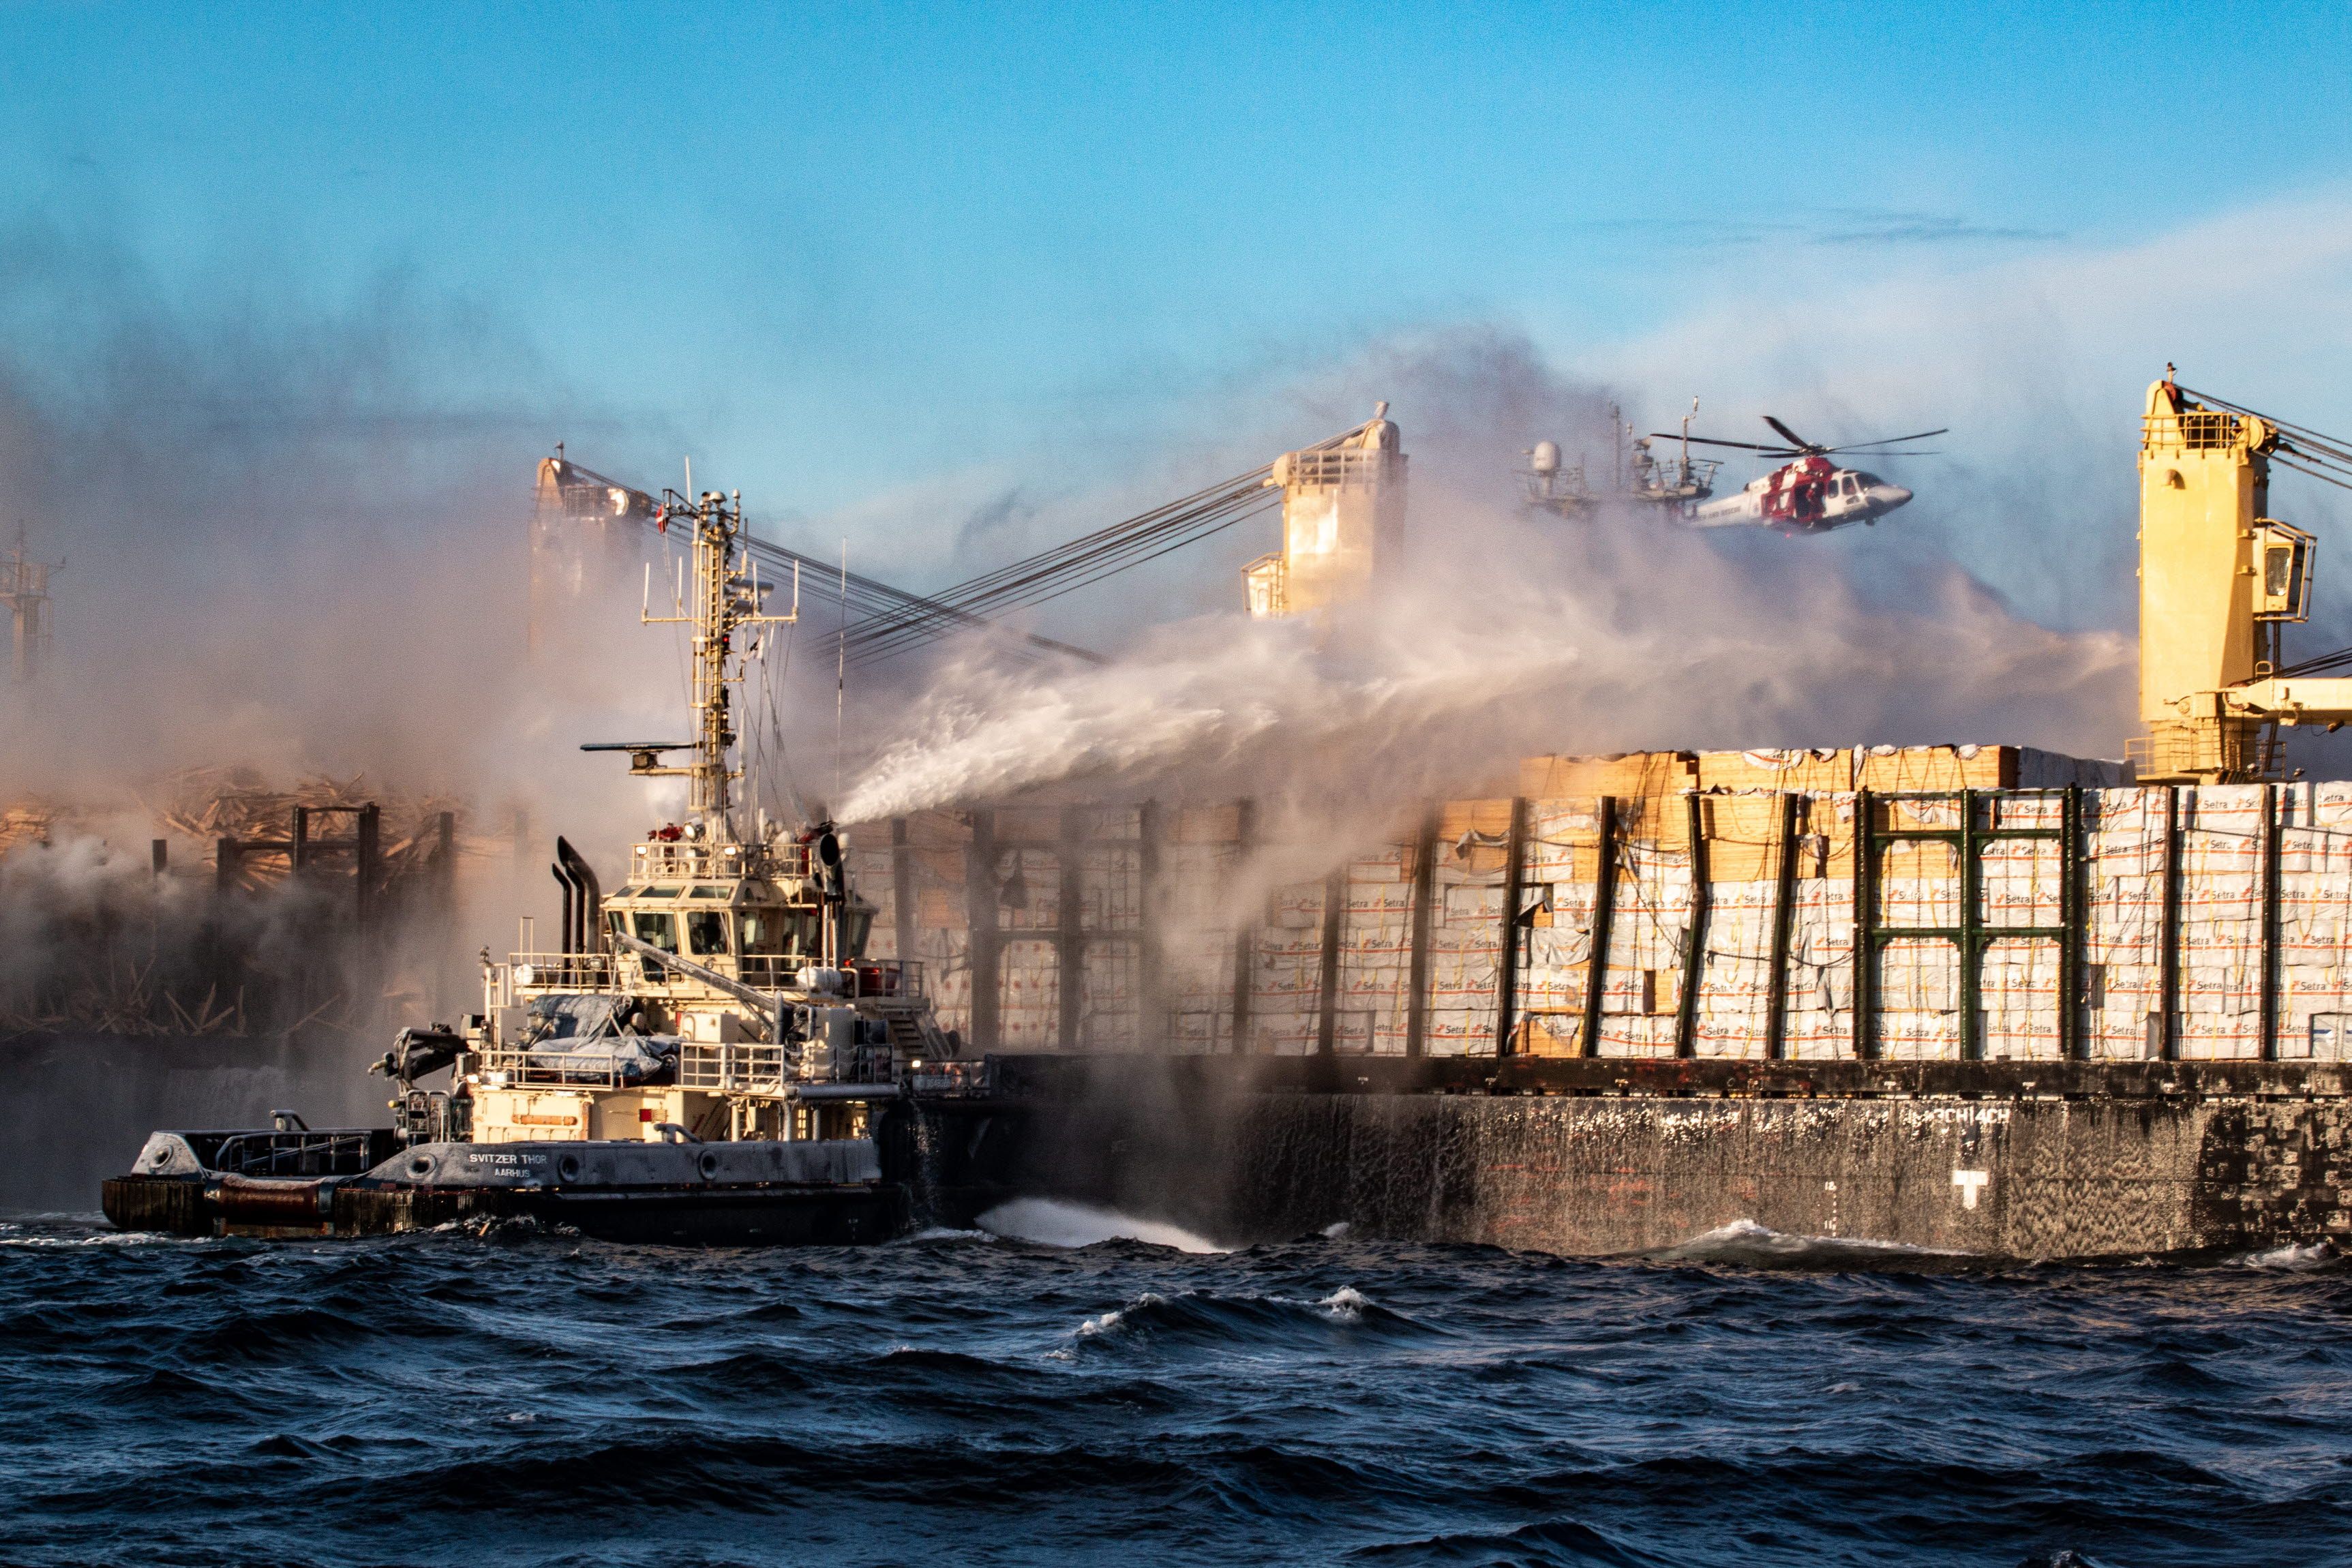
(1738, 1230)
(14, 1236)
(1104, 1322)
(2292, 1259)
(933, 1233)
(1744, 1239)
(1049, 1222)
(1347, 1304)
(1335, 1231)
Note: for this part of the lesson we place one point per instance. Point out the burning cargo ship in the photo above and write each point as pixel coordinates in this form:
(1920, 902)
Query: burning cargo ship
(1982, 999)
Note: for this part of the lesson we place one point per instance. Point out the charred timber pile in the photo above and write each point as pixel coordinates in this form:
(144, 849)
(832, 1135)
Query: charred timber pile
(300, 920)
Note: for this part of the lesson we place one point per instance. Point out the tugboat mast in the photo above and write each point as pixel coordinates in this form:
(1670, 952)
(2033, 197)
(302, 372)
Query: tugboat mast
(726, 599)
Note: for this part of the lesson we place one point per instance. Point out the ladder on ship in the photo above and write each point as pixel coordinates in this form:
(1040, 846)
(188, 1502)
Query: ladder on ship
(1979, 825)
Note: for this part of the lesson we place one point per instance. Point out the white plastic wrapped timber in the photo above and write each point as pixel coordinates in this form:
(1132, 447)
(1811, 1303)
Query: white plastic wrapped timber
(2221, 869)
(1735, 973)
(1286, 982)
(1820, 1019)
(2317, 922)
(2124, 849)
(1740, 833)
(1466, 932)
(1029, 919)
(1201, 921)
(1649, 922)
(1109, 855)
(1110, 994)
(1372, 1011)
(1555, 946)
(1028, 993)
(2222, 847)
(2021, 885)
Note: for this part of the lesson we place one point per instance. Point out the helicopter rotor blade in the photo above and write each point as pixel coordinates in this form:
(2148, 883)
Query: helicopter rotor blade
(1792, 438)
(1889, 440)
(1711, 441)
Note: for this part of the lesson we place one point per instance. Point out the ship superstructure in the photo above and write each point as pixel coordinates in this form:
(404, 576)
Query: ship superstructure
(1675, 482)
(719, 993)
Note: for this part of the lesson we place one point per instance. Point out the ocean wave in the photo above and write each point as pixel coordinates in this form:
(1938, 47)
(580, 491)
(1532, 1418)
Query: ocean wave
(2294, 1259)
(1005, 1403)
(1050, 1222)
(1557, 1541)
(75, 1232)
(1208, 1318)
(748, 1373)
(1744, 1243)
(279, 1333)
(933, 1235)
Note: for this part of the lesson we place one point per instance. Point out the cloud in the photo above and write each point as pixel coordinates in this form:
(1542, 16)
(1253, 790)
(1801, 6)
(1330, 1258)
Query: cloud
(1843, 226)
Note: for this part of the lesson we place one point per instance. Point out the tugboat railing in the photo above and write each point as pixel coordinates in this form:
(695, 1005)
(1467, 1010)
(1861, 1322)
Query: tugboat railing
(752, 1068)
(686, 858)
(733, 1068)
(766, 971)
(564, 971)
(296, 1154)
(547, 1064)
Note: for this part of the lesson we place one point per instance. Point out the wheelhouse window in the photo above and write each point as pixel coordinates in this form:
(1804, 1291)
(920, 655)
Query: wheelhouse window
(706, 932)
(657, 928)
(763, 937)
(779, 933)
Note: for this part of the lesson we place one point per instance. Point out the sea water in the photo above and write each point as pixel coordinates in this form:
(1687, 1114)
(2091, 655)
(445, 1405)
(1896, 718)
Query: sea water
(1069, 1386)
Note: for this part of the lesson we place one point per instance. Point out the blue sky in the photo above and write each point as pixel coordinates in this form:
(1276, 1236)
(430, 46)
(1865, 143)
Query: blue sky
(833, 249)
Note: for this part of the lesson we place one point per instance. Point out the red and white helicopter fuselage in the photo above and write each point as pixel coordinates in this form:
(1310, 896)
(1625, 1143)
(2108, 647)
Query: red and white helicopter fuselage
(1808, 493)
(1811, 495)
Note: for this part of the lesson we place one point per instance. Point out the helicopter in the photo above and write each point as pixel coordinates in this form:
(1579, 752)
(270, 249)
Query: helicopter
(1810, 494)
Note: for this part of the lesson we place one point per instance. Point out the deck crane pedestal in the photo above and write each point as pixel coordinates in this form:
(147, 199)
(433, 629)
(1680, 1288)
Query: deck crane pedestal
(2218, 579)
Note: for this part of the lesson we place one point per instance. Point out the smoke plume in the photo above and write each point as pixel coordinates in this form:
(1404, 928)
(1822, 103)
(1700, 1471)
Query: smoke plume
(1506, 632)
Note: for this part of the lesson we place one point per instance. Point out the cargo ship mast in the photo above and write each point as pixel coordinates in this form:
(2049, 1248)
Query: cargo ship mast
(2219, 580)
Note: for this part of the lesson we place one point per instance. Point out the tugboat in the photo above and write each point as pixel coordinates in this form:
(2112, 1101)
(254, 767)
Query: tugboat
(708, 1058)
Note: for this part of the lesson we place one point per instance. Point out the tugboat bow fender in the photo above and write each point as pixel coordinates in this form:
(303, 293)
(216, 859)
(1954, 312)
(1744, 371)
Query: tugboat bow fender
(265, 1200)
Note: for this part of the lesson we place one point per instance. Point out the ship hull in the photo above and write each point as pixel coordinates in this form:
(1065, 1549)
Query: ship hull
(692, 1216)
(761, 1194)
(1600, 1156)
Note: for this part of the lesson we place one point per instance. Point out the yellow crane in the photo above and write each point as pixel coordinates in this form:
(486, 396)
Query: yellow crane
(2218, 579)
